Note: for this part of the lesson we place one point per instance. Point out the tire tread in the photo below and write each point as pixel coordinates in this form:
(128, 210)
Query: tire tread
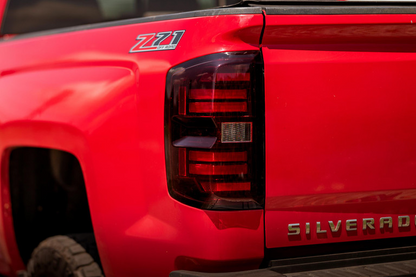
(65, 257)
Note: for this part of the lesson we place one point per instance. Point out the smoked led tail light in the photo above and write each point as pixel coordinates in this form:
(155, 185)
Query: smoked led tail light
(214, 131)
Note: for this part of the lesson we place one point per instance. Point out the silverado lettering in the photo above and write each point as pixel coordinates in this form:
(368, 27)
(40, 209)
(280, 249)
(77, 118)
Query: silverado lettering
(351, 225)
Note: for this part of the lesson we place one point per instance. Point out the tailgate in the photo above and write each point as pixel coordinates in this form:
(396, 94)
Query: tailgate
(340, 93)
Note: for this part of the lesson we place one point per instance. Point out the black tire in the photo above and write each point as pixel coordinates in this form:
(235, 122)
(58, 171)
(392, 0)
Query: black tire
(87, 241)
(61, 256)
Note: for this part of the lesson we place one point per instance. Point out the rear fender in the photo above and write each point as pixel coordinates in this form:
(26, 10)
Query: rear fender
(66, 108)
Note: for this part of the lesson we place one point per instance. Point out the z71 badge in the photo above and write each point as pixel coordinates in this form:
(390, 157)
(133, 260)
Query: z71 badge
(157, 42)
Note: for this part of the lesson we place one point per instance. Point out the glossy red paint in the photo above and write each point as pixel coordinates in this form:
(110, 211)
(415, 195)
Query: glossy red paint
(82, 92)
(339, 125)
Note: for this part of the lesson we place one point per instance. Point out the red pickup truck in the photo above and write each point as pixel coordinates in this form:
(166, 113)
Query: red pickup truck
(156, 138)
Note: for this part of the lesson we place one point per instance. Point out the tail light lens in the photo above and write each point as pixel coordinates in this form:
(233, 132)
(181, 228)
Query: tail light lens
(214, 131)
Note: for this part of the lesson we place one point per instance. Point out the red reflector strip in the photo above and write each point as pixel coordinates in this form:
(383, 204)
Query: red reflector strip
(217, 107)
(213, 169)
(202, 156)
(226, 186)
(227, 77)
(208, 94)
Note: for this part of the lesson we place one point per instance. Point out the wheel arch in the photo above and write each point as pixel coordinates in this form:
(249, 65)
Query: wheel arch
(18, 138)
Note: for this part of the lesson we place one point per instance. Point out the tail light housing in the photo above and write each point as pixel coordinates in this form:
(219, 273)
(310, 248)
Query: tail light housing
(214, 131)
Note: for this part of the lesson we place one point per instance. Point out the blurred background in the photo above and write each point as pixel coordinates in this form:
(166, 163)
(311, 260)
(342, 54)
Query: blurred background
(23, 16)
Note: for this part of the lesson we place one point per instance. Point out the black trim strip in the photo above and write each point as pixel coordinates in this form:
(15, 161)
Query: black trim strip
(334, 248)
(324, 10)
(345, 260)
(262, 29)
(340, 8)
(392, 261)
(201, 13)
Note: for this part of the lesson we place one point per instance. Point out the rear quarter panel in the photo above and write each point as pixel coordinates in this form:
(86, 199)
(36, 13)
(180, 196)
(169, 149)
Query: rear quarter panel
(82, 92)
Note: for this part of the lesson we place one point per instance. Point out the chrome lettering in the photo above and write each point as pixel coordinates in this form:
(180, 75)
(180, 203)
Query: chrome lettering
(351, 225)
(406, 223)
(294, 229)
(386, 220)
(333, 228)
(318, 228)
(308, 228)
(368, 222)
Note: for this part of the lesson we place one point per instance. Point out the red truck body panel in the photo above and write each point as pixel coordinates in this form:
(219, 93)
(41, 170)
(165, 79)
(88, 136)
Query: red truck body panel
(82, 92)
(339, 134)
(339, 126)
